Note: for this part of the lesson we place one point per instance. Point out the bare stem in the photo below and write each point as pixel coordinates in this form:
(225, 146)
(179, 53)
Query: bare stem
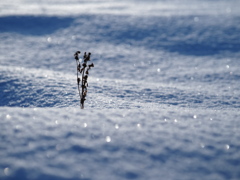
(78, 80)
(84, 83)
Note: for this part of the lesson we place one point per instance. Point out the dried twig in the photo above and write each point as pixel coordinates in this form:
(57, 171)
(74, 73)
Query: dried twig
(83, 69)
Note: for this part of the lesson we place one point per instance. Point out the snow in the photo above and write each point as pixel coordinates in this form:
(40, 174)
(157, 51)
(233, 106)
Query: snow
(163, 98)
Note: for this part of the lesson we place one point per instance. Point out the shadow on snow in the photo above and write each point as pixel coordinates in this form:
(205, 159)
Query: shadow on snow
(33, 25)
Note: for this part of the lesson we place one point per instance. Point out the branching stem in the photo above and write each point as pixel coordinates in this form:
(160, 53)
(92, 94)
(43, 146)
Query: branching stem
(81, 70)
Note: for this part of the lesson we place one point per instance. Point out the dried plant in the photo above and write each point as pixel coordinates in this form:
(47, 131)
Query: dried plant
(83, 70)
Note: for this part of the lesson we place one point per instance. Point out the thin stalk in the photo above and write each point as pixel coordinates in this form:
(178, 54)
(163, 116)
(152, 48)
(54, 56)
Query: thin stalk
(78, 83)
(82, 97)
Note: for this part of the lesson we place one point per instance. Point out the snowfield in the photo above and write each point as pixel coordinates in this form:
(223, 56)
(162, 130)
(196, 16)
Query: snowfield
(163, 100)
(168, 143)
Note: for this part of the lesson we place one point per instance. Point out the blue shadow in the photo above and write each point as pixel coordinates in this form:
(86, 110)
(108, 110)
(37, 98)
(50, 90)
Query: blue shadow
(208, 35)
(33, 25)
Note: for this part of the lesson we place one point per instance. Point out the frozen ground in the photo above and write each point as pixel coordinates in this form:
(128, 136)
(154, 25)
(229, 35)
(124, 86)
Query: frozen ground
(163, 100)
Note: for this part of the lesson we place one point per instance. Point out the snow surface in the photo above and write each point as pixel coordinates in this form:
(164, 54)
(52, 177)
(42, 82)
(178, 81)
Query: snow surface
(163, 100)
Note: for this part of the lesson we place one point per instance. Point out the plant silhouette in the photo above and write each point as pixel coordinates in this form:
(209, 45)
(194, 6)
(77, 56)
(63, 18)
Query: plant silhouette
(83, 71)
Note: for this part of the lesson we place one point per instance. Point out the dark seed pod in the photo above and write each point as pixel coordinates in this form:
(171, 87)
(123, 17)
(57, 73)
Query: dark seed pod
(91, 65)
(76, 53)
(88, 57)
(76, 57)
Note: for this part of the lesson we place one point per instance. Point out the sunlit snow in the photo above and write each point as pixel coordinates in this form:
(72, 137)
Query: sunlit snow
(163, 100)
